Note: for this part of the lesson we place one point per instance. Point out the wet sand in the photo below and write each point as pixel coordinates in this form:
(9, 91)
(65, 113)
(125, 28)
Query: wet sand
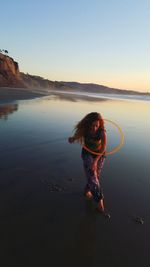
(45, 220)
(8, 95)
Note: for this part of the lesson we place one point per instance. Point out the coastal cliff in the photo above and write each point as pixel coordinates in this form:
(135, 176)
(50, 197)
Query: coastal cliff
(10, 76)
(9, 72)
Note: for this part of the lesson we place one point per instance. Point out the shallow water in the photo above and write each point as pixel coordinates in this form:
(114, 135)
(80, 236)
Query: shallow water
(131, 97)
(43, 212)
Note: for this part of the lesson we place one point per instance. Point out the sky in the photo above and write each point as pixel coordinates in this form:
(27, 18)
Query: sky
(95, 41)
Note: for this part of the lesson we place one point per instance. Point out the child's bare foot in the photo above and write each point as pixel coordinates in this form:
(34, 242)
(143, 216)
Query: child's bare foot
(100, 206)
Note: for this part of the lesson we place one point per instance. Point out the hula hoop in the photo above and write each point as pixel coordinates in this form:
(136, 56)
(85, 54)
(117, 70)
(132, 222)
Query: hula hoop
(117, 148)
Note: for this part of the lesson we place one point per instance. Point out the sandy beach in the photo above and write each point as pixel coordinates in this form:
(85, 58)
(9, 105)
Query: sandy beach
(45, 219)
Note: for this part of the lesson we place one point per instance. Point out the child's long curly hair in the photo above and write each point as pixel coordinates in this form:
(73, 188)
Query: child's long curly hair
(84, 126)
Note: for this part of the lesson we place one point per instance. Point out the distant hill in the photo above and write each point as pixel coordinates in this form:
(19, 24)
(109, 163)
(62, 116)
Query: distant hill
(97, 88)
(10, 76)
(33, 82)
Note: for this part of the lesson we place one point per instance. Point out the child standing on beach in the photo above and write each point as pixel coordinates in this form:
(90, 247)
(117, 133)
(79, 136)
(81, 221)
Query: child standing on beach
(90, 132)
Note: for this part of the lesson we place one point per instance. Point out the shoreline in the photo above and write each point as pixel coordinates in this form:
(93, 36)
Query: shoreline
(9, 95)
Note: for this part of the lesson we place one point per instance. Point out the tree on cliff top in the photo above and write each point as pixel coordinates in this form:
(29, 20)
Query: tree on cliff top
(3, 51)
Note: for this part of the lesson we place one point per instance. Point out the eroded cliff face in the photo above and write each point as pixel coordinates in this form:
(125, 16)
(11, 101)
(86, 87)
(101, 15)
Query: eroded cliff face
(10, 76)
(9, 72)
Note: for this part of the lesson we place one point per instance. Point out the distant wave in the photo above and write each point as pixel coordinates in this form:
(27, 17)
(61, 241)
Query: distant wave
(105, 95)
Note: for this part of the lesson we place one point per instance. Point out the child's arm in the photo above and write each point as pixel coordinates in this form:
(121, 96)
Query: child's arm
(73, 138)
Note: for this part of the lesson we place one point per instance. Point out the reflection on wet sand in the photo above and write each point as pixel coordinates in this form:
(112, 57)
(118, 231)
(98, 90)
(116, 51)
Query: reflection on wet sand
(6, 110)
(75, 97)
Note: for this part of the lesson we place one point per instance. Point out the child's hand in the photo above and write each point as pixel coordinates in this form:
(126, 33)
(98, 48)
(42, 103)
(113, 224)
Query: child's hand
(71, 140)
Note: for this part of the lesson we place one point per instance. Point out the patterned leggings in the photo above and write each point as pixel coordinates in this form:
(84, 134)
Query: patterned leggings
(93, 183)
